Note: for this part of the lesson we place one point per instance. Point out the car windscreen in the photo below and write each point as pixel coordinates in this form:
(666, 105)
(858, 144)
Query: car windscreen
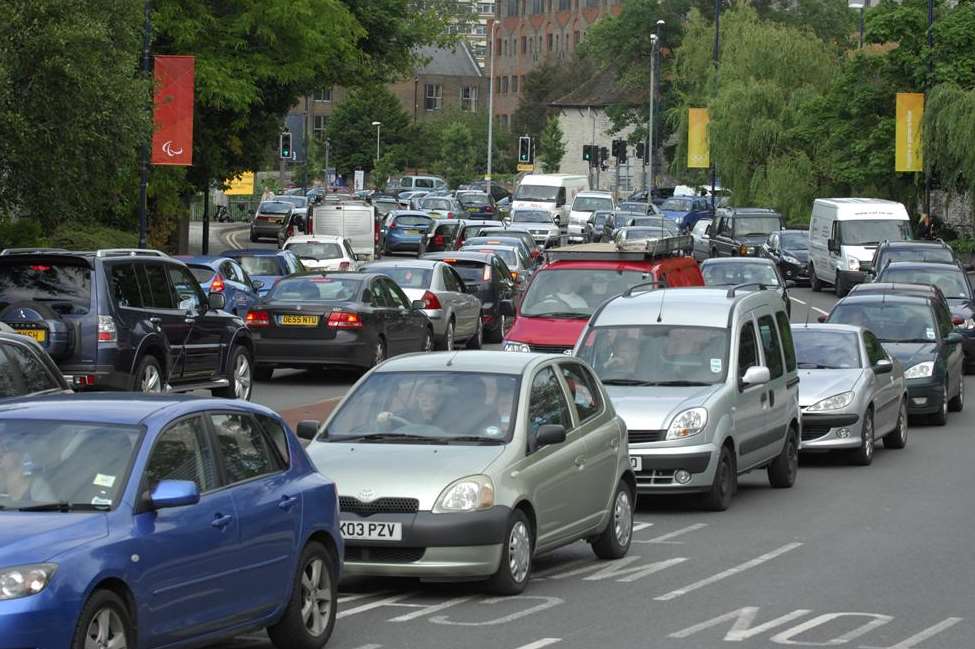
(951, 280)
(405, 277)
(591, 204)
(746, 226)
(936, 254)
(202, 274)
(64, 287)
(661, 354)
(408, 221)
(873, 231)
(634, 207)
(261, 264)
(435, 204)
(826, 350)
(732, 273)
(677, 205)
(474, 200)
(794, 241)
(531, 216)
(316, 249)
(575, 293)
(428, 408)
(889, 321)
(599, 218)
(384, 207)
(81, 464)
(540, 193)
(275, 208)
(316, 289)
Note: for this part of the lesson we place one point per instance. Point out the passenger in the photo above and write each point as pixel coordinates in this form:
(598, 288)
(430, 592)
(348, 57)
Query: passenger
(565, 292)
(19, 486)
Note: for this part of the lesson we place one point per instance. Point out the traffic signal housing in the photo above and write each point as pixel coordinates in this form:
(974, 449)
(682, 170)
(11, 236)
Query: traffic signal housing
(640, 150)
(620, 154)
(284, 145)
(587, 153)
(525, 150)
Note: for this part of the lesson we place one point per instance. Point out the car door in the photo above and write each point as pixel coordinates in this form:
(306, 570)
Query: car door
(779, 403)
(160, 303)
(382, 313)
(954, 352)
(723, 242)
(751, 408)
(205, 338)
(25, 373)
(403, 329)
(188, 556)
(268, 504)
(468, 308)
(885, 388)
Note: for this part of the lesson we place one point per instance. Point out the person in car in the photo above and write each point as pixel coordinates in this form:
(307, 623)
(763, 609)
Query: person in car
(565, 293)
(430, 399)
(624, 355)
(19, 486)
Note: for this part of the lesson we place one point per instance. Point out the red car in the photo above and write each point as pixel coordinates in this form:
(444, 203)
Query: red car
(576, 280)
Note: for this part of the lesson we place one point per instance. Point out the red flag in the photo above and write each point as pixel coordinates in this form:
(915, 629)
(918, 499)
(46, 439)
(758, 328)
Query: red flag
(172, 135)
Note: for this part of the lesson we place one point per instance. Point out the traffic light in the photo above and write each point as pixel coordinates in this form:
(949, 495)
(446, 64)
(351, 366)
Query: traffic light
(525, 149)
(587, 153)
(640, 150)
(603, 155)
(284, 145)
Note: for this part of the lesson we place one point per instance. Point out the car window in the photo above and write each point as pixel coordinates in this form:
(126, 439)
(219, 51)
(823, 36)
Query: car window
(547, 404)
(451, 281)
(770, 343)
(32, 372)
(124, 285)
(747, 349)
(426, 183)
(160, 295)
(944, 319)
(378, 295)
(583, 389)
(278, 436)
(182, 453)
(243, 447)
(397, 298)
(188, 293)
(348, 249)
(875, 351)
(788, 345)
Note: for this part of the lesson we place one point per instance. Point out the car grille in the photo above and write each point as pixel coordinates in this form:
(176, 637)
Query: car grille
(352, 505)
(651, 478)
(549, 349)
(383, 554)
(813, 431)
(644, 436)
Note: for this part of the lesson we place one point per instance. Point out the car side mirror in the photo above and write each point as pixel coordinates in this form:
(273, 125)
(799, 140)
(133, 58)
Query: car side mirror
(507, 308)
(557, 220)
(549, 434)
(832, 246)
(883, 366)
(174, 493)
(756, 375)
(308, 429)
(953, 338)
(257, 284)
(216, 301)
(418, 305)
(822, 318)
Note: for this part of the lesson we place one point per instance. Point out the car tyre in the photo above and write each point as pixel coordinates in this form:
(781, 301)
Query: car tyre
(863, 456)
(263, 373)
(957, 404)
(516, 557)
(477, 340)
(842, 286)
(315, 588)
(148, 376)
(814, 284)
(718, 498)
(103, 621)
(240, 373)
(447, 343)
(614, 542)
(940, 418)
(897, 438)
(783, 470)
(496, 335)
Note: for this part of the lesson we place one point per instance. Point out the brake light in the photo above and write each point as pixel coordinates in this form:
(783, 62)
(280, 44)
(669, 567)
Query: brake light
(514, 275)
(431, 301)
(39, 268)
(438, 240)
(486, 277)
(344, 320)
(107, 333)
(216, 286)
(450, 215)
(257, 319)
(344, 265)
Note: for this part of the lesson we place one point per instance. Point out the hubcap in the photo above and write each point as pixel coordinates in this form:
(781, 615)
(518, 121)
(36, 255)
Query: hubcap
(944, 400)
(316, 597)
(623, 518)
(151, 381)
(380, 353)
(902, 423)
(519, 552)
(242, 377)
(868, 436)
(105, 631)
(428, 342)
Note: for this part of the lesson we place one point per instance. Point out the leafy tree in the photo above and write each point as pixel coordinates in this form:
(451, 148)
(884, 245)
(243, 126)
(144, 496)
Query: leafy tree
(551, 147)
(948, 150)
(543, 85)
(351, 131)
(457, 163)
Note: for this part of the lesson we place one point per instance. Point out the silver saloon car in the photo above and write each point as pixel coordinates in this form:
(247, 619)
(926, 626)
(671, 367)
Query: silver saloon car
(851, 392)
(466, 466)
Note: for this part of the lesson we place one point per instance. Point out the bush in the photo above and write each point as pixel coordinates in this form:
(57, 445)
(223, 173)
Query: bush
(21, 234)
(78, 236)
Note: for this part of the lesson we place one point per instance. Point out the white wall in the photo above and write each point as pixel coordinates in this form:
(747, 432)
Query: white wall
(577, 128)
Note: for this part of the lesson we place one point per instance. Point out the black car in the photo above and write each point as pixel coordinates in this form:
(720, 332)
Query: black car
(497, 192)
(442, 235)
(742, 231)
(953, 283)
(471, 229)
(489, 278)
(28, 370)
(599, 218)
(335, 319)
(734, 272)
(918, 332)
(657, 196)
(920, 251)
(789, 250)
(127, 320)
(477, 205)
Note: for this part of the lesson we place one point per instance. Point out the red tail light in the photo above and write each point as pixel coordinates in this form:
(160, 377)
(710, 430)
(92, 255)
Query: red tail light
(375, 232)
(957, 320)
(257, 319)
(344, 320)
(40, 268)
(217, 286)
(291, 231)
(431, 301)
(450, 215)
(344, 265)
(438, 240)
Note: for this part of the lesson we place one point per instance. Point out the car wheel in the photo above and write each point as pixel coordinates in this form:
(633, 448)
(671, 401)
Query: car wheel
(842, 288)
(477, 340)
(427, 345)
(240, 373)
(783, 470)
(309, 619)
(957, 404)
(940, 418)
(104, 622)
(516, 557)
(148, 376)
(615, 540)
(814, 284)
(263, 373)
(496, 335)
(897, 438)
(863, 456)
(447, 344)
(718, 498)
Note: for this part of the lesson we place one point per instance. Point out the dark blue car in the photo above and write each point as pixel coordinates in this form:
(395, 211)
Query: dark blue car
(225, 275)
(685, 211)
(407, 231)
(266, 265)
(140, 521)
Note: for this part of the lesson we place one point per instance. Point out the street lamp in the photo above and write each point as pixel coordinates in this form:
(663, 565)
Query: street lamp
(378, 126)
(861, 5)
(490, 142)
(648, 159)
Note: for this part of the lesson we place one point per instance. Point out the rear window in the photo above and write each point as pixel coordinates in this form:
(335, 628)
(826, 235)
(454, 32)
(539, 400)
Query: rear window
(405, 277)
(202, 275)
(471, 271)
(260, 265)
(311, 289)
(474, 200)
(64, 287)
(507, 255)
(275, 208)
(421, 221)
(317, 250)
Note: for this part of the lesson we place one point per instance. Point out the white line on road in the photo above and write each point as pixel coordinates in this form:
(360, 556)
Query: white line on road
(369, 646)
(665, 538)
(351, 598)
(918, 638)
(730, 572)
(538, 644)
(797, 300)
(641, 526)
(817, 309)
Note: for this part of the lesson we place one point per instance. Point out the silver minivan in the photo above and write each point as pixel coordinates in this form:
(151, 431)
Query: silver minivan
(706, 381)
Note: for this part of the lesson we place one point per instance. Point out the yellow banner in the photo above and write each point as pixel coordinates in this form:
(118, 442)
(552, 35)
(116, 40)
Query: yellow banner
(243, 185)
(698, 150)
(910, 111)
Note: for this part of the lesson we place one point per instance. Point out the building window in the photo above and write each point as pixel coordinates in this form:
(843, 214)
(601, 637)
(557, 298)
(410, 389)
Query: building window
(485, 8)
(325, 94)
(511, 8)
(318, 127)
(468, 99)
(504, 85)
(514, 85)
(524, 45)
(565, 5)
(556, 42)
(575, 40)
(433, 97)
(550, 41)
(538, 7)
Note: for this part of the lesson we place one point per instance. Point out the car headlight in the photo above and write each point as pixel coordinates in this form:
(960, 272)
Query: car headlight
(469, 494)
(688, 423)
(513, 346)
(791, 260)
(853, 263)
(835, 402)
(920, 371)
(24, 581)
(743, 250)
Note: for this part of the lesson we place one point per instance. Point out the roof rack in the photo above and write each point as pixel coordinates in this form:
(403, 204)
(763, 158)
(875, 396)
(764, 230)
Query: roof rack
(634, 251)
(737, 287)
(130, 252)
(29, 251)
(657, 284)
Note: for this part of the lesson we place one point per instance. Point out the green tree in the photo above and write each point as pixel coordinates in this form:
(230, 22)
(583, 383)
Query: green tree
(352, 134)
(543, 85)
(551, 146)
(456, 163)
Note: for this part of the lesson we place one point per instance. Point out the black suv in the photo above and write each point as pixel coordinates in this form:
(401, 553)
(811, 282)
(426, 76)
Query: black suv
(742, 231)
(920, 251)
(126, 320)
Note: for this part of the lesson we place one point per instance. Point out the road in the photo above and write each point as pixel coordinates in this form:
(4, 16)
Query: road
(866, 557)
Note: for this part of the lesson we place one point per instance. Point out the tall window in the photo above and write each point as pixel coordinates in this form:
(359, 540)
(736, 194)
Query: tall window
(318, 126)
(550, 41)
(538, 7)
(514, 84)
(433, 96)
(524, 45)
(511, 8)
(504, 85)
(565, 5)
(325, 95)
(468, 99)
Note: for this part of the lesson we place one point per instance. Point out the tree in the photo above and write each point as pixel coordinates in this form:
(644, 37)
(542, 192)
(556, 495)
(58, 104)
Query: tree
(351, 131)
(543, 85)
(456, 162)
(551, 147)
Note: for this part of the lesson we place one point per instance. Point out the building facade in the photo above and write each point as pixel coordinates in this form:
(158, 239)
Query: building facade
(474, 27)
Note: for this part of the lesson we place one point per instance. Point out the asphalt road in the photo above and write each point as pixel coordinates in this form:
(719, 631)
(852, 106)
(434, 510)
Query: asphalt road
(869, 557)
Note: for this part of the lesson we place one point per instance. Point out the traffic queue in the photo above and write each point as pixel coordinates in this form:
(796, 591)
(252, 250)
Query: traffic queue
(626, 367)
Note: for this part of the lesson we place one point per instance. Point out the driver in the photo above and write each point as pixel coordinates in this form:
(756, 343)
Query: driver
(600, 288)
(565, 292)
(16, 480)
(429, 402)
(624, 356)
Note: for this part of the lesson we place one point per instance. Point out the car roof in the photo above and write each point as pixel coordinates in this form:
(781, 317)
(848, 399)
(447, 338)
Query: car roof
(921, 265)
(203, 260)
(403, 263)
(465, 255)
(897, 298)
(480, 362)
(257, 252)
(890, 288)
(345, 274)
(748, 211)
(914, 243)
(704, 307)
(738, 260)
(829, 326)
(311, 238)
(396, 213)
(489, 246)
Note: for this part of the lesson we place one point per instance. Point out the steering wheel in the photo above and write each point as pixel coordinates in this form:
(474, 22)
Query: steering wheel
(555, 300)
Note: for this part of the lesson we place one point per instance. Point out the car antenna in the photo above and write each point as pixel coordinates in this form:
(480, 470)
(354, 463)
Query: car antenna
(806, 323)
(450, 361)
(660, 312)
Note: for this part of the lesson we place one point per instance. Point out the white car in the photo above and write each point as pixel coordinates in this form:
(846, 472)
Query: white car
(583, 206)
(323, 252)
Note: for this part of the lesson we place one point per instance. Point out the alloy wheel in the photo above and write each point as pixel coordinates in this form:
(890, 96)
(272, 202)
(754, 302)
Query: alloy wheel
(316, 597)
(242, 377)
(380, 353)
(868, 436)
(519, 552)
(150, 381)
(428, 342)
(623, 518)
(450, 337)
(105, 631)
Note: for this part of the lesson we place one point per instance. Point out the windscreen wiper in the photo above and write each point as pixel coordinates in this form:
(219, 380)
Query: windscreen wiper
(627, 382)
(64, 507)
(385, 437)
(678, 384)
(471, 438)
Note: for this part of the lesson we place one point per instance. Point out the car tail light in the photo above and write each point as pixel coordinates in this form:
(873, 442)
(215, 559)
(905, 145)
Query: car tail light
(514, 275)
(291, 231)
(488, 208)
(438, 240)
(40, 268)
(344, 265)
(486, 277)
(107, 333)
(217, 285)
(431, 301)
(257, 319)
(957, 320)
(344, 320)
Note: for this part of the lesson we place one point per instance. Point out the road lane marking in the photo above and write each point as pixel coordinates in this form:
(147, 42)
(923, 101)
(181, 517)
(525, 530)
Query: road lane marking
(818, 310)
(742, 628)
(921, 636)
(665, 538)
(351, 598)
(430, 609)
(538, 644)
(369, 646)
(641, 526)
(546, 603)
(797, 300)
(388, 601)
(730, 572)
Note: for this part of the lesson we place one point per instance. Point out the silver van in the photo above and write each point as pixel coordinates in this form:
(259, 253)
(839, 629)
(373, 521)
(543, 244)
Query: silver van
(706, 381)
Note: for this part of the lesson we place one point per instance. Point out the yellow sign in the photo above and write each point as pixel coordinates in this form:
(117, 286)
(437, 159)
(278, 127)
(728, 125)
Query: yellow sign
(525, 167)
(910, 111)
(698, 153)
(243, 185)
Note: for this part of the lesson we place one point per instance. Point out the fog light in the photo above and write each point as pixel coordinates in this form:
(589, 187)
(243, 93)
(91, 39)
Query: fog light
(682, 476)
(919, 401)
(843, 433)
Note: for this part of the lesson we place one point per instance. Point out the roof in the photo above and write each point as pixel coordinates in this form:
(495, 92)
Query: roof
(915, 243)
(737, 260)
(912, 297)
(402, 263)
(456, 61)
(938, 266)
(258, 252)
(467, 361)
(201, 260)
(602, 89)
(105, 408)
(702, 307)
(829, 326)
(483, 257)
(312, 238)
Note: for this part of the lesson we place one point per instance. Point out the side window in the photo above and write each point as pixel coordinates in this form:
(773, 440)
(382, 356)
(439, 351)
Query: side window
(32, 372)
(835, 232)
(243, 447)
(377, 294)
(561, 197)
(235, 272)
(279, 438)
(875, 351)
(502, 269)
(160, 296)
(944, 320)
(747, 349)
(10, 385)
(450, 280)
(348, 249)
(785, 330)
(125, 286)
(547, 404)
(181, 453)
(397, 298)
(583, 389)
(188, 293)
(425, 183)
(770, 343)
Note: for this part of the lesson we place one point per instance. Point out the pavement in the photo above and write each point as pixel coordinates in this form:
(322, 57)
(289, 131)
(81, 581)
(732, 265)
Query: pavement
(871, 557)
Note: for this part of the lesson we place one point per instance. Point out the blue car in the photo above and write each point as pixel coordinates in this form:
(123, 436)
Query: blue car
(266, 265)
(225, 275)
(133, 521)
(407, 231)
(685, 211)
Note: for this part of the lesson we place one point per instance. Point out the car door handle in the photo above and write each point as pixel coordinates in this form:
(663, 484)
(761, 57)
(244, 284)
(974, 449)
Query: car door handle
(221, 522)
(579, 461)
(771, 399)
(764, 398)
(287, 502)
(615, 443)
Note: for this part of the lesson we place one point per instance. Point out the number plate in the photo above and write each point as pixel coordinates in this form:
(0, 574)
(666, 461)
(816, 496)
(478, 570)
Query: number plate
(636, 463)
(371, 530)
(299, 320)
(40, 335)
(412, 232)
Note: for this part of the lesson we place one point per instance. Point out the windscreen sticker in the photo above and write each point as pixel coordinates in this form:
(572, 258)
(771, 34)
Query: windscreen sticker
(101, 501)
(929, 332)
(102, 480)
(716, 365)
(492, 431)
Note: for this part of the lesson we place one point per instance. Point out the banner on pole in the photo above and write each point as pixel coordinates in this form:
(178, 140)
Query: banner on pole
(910, 110)
(172, 133)
(242, 185)
(698, 150)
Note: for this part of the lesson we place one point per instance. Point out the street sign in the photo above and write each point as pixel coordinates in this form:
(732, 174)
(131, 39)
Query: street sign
(526, 167)
(360, 180)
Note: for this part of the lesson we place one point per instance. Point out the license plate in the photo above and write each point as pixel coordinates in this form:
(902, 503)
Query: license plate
(412, 232)
(299, 320)
(40, 335)
(636, 463)
(371, 530)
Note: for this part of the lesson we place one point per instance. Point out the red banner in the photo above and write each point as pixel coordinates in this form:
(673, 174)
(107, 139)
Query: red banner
(172, 135)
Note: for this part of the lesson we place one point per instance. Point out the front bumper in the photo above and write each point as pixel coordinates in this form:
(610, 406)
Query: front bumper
(853, 277)
(830, 431)
(656, 475)
(42, 621)
(793, 272)
(924, 396)
(346, 348)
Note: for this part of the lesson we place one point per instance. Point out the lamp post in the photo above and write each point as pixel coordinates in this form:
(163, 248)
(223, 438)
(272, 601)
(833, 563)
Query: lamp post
(144, 154)
(715, 55)
(654, 48)
(378, 126)
(861, 5)
(490, 142)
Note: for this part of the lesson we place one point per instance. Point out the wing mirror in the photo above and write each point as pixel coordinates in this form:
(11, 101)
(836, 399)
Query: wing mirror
(756, 375)
(883, 366)
(308, 429)
(418, 305)
(174, 493)
(953, 338)
(216, 301)
(550, 434)
(833, 246)
(257, 284)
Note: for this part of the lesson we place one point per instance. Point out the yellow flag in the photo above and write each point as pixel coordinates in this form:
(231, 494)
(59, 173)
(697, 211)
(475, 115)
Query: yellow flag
(910, 110)
(698, 153)
(242, 185)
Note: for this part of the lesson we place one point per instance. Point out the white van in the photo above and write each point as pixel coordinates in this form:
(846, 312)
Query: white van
(552, 193)
(352, 220)
(843, 235)
(427, 183)
(583, 206)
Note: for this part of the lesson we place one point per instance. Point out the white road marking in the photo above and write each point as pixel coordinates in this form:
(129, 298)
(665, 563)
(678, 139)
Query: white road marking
(665, 538)
(546, 602)
(921, 636)
(797, 300)
(369, 646)
(429, 610)
(818, 310)
(351, 598)
(538, 644)
(742, 628)
(876, 620)
(730, 572)
(641, 526)
(388, 601)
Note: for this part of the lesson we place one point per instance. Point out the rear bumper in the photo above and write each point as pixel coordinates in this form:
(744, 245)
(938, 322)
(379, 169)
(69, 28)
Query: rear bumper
(265, 229)
(397, 244)
(345, 349)
(106, 377)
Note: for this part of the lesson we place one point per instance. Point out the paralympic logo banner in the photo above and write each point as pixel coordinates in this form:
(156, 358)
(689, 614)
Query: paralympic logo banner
(910, 111)
(172, 133)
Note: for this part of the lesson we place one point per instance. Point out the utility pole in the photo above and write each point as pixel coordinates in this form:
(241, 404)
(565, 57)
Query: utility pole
(715, 57)
(490, 142)
(205, 246)
(651, 126)
(328, 151)
(595, 151)
(144, 168)
(927, 88)
(304, 180)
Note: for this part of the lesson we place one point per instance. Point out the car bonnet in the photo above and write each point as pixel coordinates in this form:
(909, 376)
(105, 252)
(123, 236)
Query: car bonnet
(652, 408)
(36, 537)
(816, 385)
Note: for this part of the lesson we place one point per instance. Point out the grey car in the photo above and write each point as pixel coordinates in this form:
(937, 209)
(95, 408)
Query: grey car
(454, 312)
(466, 466)
(539, 223)
(851, 391)
(270, 219)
